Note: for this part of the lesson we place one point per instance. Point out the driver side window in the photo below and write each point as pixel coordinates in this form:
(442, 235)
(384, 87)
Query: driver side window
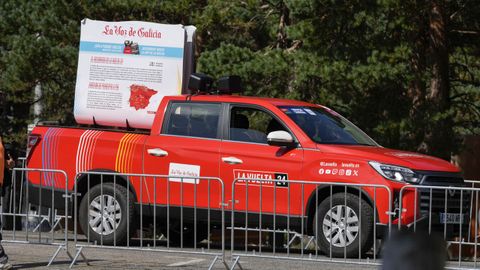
(252, 125)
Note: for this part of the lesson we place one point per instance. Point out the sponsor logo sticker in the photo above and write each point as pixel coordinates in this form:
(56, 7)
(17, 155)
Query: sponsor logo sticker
(257, 178)
(298, 111)
(348, 169)
(184, 170)
(309, 111)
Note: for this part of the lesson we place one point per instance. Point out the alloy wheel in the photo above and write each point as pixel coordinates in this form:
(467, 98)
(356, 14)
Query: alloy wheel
(104, 214)
(341, 226)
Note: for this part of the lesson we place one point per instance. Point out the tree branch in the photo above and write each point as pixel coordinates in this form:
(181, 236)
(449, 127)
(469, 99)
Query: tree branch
(465, 32)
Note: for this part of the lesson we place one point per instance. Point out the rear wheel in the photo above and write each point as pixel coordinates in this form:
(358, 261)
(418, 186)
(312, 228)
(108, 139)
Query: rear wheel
(106, 216)
(340, 229)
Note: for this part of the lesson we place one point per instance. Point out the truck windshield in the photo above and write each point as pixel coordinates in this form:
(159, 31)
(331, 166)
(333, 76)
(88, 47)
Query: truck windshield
(327, 127)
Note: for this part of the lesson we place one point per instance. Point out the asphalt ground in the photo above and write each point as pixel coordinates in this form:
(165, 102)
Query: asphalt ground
(35, 256)
(31, 256)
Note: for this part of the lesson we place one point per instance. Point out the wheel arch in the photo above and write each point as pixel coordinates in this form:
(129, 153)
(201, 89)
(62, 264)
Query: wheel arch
(323, 193)
(82, 181)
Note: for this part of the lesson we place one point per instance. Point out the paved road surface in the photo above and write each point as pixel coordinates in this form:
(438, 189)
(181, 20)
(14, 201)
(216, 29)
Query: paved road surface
(37, 256)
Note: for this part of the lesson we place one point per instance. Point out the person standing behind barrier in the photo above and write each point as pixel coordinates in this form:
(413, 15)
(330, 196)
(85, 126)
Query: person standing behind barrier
(4, 164)
(9, 200)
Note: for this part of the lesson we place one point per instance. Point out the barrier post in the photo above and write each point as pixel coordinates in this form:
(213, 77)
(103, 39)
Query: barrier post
(53, 218)
(139, 184)
(291, 199)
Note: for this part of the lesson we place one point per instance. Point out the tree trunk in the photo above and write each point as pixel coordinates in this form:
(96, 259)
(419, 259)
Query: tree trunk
(417, 87)
(440, 85)
(439, 135)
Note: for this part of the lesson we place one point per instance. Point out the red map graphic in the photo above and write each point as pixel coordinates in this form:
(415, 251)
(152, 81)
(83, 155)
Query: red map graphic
(140, 96)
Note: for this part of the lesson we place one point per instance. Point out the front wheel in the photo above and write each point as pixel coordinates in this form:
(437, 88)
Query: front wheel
(340, 229)
(106, 215)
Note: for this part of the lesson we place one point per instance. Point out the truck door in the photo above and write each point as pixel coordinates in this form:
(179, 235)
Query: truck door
(188, 146)
(246, 154)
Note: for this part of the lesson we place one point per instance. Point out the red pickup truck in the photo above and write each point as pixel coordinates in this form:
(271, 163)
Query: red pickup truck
(229, 137)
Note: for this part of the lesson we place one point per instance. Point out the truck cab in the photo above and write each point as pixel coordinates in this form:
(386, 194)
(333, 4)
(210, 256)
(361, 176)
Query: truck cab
(251, 138)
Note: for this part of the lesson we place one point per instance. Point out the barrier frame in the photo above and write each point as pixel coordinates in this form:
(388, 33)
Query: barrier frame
(446, 190)
(218, 256)
(64, 246)
(236, 256)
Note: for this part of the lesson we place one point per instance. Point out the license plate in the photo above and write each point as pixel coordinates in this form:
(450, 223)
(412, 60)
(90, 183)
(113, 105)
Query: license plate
(447, 218)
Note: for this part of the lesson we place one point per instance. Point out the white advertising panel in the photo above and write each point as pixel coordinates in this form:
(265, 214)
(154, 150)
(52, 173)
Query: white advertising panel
(184, 170)
(124, 70)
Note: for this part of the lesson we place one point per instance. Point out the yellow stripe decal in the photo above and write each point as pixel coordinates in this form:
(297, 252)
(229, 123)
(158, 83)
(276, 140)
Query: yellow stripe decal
(126, 152)
(128, 149)
(119, 158)
(132, 159)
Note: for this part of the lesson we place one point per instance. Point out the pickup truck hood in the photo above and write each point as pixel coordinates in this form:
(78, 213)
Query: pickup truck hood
(410, 160)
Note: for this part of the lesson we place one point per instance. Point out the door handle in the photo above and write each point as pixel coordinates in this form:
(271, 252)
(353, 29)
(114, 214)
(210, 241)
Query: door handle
(232, 160)
(157, 152)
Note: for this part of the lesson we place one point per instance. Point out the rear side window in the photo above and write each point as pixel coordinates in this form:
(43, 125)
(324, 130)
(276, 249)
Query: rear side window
(194, 120)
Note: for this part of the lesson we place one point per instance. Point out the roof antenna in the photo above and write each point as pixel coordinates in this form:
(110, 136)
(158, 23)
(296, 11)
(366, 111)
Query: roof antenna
(129, 128)
(189, 96)
(94, 122)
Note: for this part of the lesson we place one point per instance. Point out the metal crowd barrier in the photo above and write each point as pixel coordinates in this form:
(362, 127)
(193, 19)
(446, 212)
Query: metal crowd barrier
(330, 217)
(175, 208)
(266, 218)
(29, 220)
(450, 213)
(22, 161)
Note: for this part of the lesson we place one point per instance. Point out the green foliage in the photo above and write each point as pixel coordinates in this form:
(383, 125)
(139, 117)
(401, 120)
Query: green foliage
(369, 60)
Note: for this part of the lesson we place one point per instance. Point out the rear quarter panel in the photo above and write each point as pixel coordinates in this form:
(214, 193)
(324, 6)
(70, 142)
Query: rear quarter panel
(79, 150)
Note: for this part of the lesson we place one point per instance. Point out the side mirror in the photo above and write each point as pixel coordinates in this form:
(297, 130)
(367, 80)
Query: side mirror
(280, 138)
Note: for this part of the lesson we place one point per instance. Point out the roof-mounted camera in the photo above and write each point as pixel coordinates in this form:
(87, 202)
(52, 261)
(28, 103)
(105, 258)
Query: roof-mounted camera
(200, 83)
(203, 84)
(229, 85)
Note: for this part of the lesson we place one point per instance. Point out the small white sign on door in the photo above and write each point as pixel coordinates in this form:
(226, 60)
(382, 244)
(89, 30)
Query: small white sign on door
(184, 170)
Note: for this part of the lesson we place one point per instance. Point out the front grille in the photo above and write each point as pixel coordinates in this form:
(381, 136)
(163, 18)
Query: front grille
(443, 180)
(452, 201)
(444, 201)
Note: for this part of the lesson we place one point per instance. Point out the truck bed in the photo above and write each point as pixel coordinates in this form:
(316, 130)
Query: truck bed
(98, 128)
(76, 149)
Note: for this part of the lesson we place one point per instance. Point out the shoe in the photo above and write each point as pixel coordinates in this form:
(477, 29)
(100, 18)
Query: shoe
(5, 266)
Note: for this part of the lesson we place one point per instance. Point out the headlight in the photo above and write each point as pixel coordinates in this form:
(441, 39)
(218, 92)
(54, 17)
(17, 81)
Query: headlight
(395, 173)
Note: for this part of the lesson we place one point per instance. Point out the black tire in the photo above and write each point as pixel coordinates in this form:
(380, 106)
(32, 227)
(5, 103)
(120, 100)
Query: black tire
(122, 232)
(364, 234)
